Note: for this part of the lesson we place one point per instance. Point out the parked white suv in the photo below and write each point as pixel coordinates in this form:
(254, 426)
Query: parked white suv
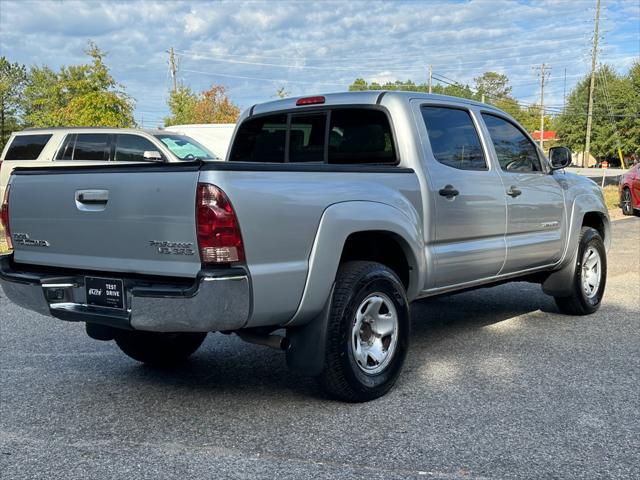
(94, 145)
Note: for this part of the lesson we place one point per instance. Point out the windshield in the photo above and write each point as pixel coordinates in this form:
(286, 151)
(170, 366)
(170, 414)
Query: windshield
(186, 148)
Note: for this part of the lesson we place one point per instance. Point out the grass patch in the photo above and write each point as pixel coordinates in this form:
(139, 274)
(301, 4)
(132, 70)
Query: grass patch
(611, 196)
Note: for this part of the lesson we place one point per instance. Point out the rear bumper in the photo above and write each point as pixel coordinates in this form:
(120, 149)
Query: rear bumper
(216, 300)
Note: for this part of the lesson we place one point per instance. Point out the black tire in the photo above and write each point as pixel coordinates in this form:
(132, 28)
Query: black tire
(625, 202)
(158, 349)
(342, 377)
(579, 303)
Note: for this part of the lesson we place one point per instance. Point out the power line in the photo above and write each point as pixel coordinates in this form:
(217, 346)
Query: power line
(246, 77)
(548, 108)
(333, 57)
(404, 68)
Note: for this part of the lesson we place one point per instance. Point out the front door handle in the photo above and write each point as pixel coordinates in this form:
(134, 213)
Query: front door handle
(513, 191)
(449, 192)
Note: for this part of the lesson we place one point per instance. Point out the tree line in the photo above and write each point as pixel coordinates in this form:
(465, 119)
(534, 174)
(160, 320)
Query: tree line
(88, 95)
(490, 87)
(616, 113)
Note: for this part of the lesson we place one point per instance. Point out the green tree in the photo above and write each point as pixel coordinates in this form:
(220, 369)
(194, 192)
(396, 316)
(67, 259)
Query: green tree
(13, 77)
(182, 102)
(359, 85)
(616, 113)
(77, 95)
(211, 106)
(494, 85)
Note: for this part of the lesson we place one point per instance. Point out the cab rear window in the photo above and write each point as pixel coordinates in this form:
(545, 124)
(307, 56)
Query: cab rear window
(26, 147)
(344, 136)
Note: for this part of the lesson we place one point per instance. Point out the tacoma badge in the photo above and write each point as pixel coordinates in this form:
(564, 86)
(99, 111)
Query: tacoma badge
(24, 240)
(173, 248)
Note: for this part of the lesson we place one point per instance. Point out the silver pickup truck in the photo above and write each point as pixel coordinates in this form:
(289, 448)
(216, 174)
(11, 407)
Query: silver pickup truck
(330, 216)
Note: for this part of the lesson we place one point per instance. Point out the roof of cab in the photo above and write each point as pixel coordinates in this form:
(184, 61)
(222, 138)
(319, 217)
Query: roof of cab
(367, 97)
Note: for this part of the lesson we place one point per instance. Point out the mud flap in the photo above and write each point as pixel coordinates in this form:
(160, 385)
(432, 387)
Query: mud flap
(560, 282)
(308, 342)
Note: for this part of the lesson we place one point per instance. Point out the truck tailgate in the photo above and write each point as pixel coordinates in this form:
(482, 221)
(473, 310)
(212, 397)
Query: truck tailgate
(109, 219)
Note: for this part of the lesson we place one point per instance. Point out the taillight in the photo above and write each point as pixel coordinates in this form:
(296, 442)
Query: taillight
(4, 218)
(219, 238)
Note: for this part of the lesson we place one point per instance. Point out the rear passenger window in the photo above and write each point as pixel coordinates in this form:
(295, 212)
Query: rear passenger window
(261, 139)
(91, 146)
(131, 148)
(306, 138)
(355, 136)
(453, 137)
(26, 147)
(358, 136)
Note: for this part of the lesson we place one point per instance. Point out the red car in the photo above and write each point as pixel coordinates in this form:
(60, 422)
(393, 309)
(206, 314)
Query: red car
(630, 191)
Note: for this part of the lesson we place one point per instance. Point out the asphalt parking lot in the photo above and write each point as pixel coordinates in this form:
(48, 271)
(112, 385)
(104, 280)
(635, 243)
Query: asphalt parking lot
(497, 385)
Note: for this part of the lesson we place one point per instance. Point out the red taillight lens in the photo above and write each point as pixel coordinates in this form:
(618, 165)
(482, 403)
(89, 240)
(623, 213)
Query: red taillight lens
(4, 218)
(310, 101)
(219, 238)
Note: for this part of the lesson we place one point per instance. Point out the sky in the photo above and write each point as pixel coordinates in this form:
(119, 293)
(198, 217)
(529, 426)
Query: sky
(255, 47)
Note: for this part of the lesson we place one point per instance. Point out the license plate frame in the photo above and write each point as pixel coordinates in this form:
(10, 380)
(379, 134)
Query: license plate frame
(105, 292)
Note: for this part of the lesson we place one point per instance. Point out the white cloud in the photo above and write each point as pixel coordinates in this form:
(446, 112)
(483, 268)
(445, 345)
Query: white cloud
(319, 46)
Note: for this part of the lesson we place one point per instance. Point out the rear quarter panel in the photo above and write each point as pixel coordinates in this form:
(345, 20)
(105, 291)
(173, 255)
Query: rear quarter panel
(279, 214)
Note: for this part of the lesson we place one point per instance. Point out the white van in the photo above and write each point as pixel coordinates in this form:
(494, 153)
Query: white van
(215, 136)
(95, 145)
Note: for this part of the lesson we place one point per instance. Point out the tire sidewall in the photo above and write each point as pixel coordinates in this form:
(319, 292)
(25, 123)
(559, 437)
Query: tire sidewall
(627, 209)
(591, 238)
(375, 281)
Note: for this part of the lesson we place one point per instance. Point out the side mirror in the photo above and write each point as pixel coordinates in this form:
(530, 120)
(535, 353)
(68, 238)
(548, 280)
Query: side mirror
(152, 155)
(560, 157)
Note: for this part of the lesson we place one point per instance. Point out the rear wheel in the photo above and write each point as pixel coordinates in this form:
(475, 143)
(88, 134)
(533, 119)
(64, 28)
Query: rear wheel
(368, 333)
(625, 202)
(158, 349)
(590, 276)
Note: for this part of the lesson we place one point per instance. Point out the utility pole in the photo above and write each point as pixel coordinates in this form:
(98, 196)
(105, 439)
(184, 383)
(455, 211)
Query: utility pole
(430, 76)
(592, 84)
(543, 72)
(173, 68)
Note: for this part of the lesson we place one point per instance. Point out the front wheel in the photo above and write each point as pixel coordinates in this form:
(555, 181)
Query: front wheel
(158, 349)
(590, 276)
(368, 332)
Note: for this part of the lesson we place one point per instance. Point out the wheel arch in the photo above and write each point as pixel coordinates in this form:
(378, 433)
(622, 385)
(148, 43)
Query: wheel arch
(587, 211)
(343, 230)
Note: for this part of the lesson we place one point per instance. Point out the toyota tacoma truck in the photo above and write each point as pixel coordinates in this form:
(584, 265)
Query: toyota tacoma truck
(330, 215)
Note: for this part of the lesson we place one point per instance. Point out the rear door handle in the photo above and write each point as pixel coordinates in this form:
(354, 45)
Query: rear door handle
(513, 191)
(92, 197)
(449, 192)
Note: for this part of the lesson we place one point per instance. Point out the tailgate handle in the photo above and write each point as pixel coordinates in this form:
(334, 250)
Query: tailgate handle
(92, 196)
